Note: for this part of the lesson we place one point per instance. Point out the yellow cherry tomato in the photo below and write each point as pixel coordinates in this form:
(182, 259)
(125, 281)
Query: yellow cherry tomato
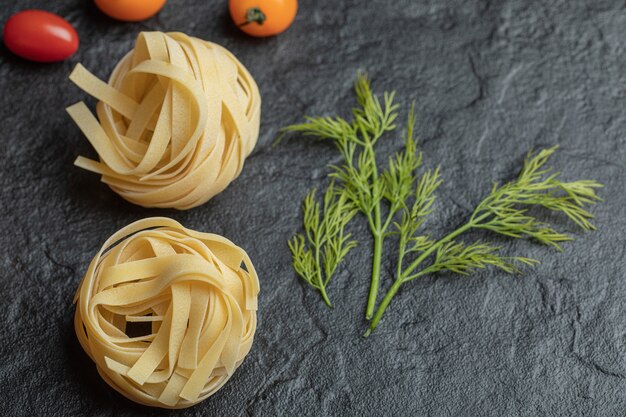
(263, 17)
(130, 10)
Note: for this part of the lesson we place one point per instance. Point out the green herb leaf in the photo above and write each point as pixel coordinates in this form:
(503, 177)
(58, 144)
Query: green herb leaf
(504, 210)
(317, 256)
(399, 177)
(465, 259)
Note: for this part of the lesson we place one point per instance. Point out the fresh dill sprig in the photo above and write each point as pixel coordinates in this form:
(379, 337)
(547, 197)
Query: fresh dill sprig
(503, 211)
(396, 201)
(317, 254)
(358, 176)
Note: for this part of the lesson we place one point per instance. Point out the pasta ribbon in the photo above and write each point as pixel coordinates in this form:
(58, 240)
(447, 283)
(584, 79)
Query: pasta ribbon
(167, 313)
(175, 123)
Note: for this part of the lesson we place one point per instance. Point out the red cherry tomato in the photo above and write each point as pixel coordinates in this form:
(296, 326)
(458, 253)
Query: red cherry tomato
(40, 36)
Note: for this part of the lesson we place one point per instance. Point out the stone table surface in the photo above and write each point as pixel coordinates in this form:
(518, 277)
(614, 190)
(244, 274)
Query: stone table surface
(491, 80)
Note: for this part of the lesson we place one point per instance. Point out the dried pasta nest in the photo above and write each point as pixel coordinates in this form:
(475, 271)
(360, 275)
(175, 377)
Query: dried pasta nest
(175, 122)
(167, 313)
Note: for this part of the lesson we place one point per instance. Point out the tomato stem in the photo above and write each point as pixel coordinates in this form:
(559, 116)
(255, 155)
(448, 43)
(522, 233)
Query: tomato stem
(254, 14)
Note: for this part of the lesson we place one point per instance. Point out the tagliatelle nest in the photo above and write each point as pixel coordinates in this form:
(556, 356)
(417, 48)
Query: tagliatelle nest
(175, 122)
(195, 294)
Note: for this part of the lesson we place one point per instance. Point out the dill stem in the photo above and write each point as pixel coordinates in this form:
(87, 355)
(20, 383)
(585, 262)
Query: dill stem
(377, 234)
(433, 248)
(322, 287)
(403, 276)
(472, 223)
(376, 260)
(401, 253)
(325, 296)
(383, 306)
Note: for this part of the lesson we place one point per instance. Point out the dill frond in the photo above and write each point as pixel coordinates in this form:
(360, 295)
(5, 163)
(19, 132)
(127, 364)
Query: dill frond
(317, 254)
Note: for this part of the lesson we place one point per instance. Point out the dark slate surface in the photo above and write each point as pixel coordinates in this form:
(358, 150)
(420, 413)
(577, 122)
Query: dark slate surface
(491, 80)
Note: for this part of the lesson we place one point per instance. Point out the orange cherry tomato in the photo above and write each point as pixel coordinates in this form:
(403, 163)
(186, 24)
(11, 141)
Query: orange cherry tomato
(263, 17)
(130, 10)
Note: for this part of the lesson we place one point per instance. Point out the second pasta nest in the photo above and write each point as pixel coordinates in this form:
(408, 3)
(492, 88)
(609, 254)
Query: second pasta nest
(175, 123)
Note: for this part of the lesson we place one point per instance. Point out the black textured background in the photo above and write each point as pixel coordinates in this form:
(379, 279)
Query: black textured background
(492, 79)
